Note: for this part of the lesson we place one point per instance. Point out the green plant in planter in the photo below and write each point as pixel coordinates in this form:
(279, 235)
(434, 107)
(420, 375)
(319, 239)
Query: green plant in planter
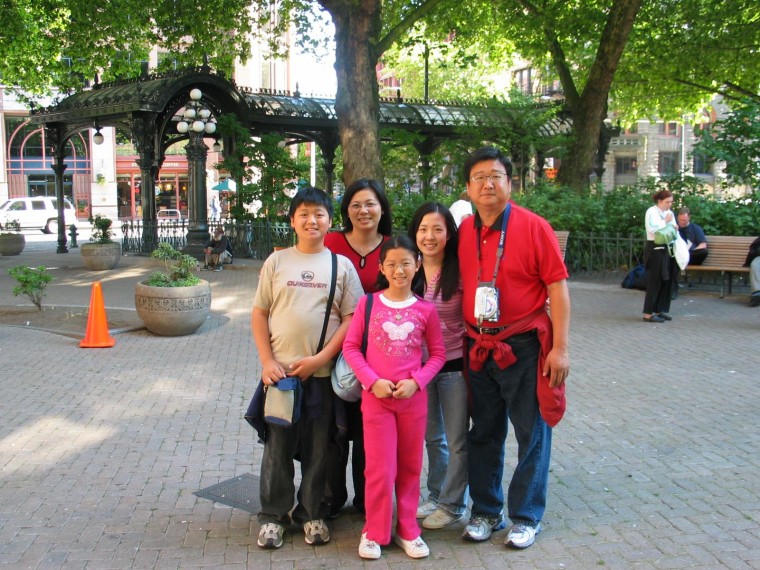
(10, 227)
(179, 268)
(101, 229)
(31, 283)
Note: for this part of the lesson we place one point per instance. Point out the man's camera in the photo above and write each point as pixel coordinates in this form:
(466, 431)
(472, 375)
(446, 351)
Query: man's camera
(486, 304)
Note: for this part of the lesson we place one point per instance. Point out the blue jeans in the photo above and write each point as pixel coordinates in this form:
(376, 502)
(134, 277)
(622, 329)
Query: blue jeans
(499, 396)
(446, 441)
(309, 439)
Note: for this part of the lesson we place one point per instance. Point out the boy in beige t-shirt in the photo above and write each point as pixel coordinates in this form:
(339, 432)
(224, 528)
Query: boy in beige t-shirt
(287, 319)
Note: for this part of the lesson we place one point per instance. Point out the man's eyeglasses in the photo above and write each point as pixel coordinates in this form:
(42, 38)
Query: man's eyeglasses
(496, 177)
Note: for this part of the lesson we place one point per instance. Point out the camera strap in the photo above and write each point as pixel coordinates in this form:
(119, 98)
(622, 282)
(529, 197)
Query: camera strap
(500, 248)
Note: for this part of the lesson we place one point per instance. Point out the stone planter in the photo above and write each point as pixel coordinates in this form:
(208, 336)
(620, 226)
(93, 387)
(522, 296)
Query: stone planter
(100, 256)
(12, 244)
(173, 311)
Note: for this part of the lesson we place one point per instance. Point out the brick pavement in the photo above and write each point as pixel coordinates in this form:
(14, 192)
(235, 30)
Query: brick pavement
(655, 464)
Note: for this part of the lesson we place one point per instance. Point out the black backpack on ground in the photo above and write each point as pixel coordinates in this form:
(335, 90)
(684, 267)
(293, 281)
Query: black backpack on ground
(636, 278)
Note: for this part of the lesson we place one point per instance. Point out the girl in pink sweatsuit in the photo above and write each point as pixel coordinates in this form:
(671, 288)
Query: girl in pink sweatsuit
(394, 399)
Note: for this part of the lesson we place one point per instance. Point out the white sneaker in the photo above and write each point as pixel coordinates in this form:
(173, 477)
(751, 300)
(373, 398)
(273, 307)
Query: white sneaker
(316, 532)
(414, 548)
(368, 549)
(441, 518)
(522, 535)
(480, 527)
(270, 535)
(426, 509)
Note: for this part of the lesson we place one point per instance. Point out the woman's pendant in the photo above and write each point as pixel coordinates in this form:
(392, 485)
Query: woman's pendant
(362, 261)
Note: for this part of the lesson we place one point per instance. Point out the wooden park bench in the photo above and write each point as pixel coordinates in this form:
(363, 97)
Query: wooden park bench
(726, 254)
(562, 239)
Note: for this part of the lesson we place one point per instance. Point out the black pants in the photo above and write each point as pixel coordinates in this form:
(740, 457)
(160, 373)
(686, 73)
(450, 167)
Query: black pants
(697, 256)
(661, 270)
(336, 493)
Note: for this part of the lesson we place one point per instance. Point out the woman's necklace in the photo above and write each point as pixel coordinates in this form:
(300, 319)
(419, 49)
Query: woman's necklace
(368, 247)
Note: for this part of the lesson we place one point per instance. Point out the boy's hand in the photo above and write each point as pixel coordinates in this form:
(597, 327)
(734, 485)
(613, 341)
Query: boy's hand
(383, 388)
(272, 372)
(304, 367)
(405, 388)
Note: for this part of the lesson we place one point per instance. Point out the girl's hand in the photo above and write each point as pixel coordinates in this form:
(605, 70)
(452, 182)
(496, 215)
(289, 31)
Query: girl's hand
(405, 388)
(383, 388)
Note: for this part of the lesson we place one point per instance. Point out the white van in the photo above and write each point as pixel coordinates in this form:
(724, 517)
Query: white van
(39, 212)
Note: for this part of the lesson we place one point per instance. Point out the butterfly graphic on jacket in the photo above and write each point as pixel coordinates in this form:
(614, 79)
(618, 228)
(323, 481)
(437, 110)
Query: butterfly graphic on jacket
(398, 332)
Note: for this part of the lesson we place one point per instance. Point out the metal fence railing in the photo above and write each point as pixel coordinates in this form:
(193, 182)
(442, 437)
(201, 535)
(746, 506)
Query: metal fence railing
(585, 253)
(249, 239)
(603, 252)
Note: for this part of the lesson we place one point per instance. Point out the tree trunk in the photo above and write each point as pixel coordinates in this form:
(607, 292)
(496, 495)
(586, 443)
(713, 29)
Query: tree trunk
(357, 105)
(590, 110)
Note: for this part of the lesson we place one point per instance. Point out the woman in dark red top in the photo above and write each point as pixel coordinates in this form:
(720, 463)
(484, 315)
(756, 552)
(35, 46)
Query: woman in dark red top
(367, 224)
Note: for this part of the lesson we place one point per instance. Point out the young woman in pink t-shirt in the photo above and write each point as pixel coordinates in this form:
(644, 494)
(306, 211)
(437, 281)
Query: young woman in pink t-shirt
(394, 400)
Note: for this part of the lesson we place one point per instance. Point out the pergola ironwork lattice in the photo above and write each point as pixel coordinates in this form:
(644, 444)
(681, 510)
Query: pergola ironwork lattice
(147, 108)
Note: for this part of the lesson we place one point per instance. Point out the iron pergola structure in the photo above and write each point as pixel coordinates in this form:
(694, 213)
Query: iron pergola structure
(149, 108)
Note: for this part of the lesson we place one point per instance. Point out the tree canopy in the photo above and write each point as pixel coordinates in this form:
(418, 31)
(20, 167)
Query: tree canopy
(46, 44)
(659, 58)
(736, 141)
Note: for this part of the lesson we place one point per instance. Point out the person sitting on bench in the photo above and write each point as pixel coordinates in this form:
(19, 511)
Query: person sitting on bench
(216, 250)
(694, 236)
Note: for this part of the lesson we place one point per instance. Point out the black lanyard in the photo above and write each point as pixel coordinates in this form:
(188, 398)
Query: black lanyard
(500, 248)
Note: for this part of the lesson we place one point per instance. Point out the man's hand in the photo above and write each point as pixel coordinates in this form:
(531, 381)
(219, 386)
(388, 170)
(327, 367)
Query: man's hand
(557, 366)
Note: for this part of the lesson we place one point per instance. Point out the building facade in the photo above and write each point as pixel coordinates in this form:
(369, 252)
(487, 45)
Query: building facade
(104, 177)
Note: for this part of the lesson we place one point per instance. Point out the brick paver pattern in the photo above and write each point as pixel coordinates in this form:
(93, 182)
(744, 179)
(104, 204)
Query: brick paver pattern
(656, 464)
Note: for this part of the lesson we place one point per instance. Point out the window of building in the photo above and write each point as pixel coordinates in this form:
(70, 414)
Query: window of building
(523, 79)
(669, 129)
(700, 164)
(626, 165)
(28, 152)
(668, 163)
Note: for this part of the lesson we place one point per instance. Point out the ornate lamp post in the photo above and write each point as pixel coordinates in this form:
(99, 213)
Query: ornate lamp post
(198, 121)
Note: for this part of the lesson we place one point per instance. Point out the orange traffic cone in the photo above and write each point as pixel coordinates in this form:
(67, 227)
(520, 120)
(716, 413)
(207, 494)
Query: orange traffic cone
(97, 326)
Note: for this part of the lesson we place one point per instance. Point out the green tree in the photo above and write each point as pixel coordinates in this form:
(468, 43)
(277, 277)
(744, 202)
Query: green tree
(682, 53)
(61, 43)
(736, 141)
(266, 173)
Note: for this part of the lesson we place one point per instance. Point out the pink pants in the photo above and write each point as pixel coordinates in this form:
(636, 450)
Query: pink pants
(394, 435)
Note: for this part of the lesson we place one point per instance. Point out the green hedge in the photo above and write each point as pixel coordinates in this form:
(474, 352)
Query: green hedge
(618, 212)
(621, 211)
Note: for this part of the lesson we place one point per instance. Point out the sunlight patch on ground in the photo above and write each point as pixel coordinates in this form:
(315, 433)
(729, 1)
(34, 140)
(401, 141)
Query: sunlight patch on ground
(49, 441)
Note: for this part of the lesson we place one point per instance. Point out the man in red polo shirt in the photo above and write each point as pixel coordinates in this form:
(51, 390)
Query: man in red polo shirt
(518, 360)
